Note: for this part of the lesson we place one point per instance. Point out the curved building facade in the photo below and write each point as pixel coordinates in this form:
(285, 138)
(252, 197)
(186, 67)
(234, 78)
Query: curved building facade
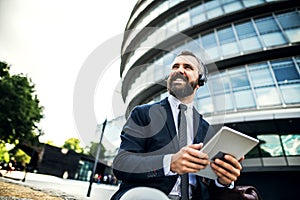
(252, 51)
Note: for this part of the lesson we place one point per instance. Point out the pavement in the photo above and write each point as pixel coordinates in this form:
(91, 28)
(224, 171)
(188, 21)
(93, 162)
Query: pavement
(65, 188)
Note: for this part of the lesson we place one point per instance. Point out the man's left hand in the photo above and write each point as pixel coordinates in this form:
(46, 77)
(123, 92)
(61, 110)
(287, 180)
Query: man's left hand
(228, 169)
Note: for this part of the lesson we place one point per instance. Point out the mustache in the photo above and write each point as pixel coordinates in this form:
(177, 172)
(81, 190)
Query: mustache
(175, 76)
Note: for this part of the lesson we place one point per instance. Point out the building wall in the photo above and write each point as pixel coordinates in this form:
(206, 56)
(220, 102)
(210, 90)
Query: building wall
(251, 49)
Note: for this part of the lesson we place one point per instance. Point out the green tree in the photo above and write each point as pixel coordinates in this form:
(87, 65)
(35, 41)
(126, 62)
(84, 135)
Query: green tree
(4, 155)
(20, 109)
(73, 144)
(93, 150)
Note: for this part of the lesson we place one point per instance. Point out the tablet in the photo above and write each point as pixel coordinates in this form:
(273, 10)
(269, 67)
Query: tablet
(226, 141)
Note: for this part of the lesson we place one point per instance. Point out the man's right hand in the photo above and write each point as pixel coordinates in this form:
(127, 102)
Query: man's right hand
(189, 159)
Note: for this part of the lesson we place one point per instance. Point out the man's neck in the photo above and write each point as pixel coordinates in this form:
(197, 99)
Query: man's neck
(187, 100)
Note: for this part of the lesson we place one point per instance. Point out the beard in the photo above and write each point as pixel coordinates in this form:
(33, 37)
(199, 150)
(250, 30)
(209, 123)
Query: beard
(183, 89)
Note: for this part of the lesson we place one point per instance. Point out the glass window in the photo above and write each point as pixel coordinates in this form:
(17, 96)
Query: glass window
(291, 144)
(168, 59)
(209, 40)
(229, 49)
(270, 145)
(270, 31)
(213, 9)
(226, 35)
(247, 36)
(250, 44)
(210, 45)
(205, 105)
(216, 83)
(244, 99)
(172, 25)
(203, 91)
(245, 30)
(183, 21)
(197, 14)
(227, 41)
(285, 71)
(267, 96)
(260, 75)
(293, 35)
(223, 102)
(290, 93)
(231, 5)
(290, 22)
(273, 39)
(239, 78)
(249, 3)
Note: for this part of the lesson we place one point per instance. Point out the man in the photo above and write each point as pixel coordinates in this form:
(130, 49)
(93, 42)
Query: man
(151, 152)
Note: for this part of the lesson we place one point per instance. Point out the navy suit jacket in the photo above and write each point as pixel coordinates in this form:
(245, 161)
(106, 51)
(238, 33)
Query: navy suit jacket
(147, 136)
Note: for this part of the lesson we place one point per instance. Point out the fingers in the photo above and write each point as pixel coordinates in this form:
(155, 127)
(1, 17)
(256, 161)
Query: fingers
(227, 171)
(189, 159)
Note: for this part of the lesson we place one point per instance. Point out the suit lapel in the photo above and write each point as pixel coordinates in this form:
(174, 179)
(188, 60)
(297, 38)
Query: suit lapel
(170, 122)
(199, 137)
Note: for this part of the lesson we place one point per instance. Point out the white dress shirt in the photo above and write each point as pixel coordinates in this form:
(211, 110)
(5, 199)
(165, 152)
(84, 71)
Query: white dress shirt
(174, 103)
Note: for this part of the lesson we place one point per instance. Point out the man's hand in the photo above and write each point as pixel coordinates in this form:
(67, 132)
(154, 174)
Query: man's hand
(228, 170)
(189, 159)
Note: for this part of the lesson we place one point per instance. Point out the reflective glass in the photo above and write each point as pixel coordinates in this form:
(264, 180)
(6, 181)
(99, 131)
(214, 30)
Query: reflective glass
(267, 96)
(285, 71)
(183, 21)
(250, 44)
(226, 35)
(291, 144)
(223, 102)
(245, 30)
(205, 105)
(289, 20)
(209, 40)
(203, 91)
(290, 93)
(247, 36)
(271, 145)
(229, 49)
(197, 14)
(273, 39)
(270, 31)
(244, 99)
(212, 53)
(213, 9)
(293, 35)
(239, 79)
(209, 44)
(231, 5)
(249, 3)
(260, 75)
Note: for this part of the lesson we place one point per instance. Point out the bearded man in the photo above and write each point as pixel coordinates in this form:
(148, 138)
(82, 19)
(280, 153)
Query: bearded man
(161, 142)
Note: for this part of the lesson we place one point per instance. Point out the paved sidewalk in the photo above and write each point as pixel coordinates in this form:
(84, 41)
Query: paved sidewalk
(66, 189)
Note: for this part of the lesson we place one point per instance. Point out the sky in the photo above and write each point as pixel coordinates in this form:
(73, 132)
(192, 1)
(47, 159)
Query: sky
(49, 41)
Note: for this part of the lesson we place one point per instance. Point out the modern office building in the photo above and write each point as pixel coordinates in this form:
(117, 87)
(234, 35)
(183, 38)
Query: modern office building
(252, 51)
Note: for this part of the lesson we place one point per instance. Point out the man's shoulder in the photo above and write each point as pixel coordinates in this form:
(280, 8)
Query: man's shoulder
(145, 107)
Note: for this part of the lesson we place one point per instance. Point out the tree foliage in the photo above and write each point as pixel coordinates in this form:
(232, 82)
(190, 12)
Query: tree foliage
(73, 144)
(20, 109)
(93, 150)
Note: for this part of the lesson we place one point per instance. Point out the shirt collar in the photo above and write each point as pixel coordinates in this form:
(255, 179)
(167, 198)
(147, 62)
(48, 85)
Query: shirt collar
(175, 102)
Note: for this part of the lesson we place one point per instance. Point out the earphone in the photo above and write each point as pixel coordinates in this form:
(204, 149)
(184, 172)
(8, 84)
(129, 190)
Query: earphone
(202, 79)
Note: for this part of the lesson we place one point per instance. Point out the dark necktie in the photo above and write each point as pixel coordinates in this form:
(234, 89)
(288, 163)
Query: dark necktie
(182, 131)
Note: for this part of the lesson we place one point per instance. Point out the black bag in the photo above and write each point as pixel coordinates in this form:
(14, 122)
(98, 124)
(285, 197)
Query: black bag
(237, 193)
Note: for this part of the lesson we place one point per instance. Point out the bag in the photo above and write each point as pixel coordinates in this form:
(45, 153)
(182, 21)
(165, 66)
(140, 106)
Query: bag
(248, 192)
(237, 193)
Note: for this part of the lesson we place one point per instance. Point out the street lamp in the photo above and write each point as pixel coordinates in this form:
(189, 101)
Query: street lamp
(96, 159)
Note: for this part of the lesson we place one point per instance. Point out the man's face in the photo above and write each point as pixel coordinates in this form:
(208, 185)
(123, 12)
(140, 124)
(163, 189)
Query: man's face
(183, 77)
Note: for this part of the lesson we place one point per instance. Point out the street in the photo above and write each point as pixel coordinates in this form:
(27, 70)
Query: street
(74, 188)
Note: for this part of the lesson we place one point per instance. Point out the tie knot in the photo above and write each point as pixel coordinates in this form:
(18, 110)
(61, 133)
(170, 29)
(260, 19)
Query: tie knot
(182, 107)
